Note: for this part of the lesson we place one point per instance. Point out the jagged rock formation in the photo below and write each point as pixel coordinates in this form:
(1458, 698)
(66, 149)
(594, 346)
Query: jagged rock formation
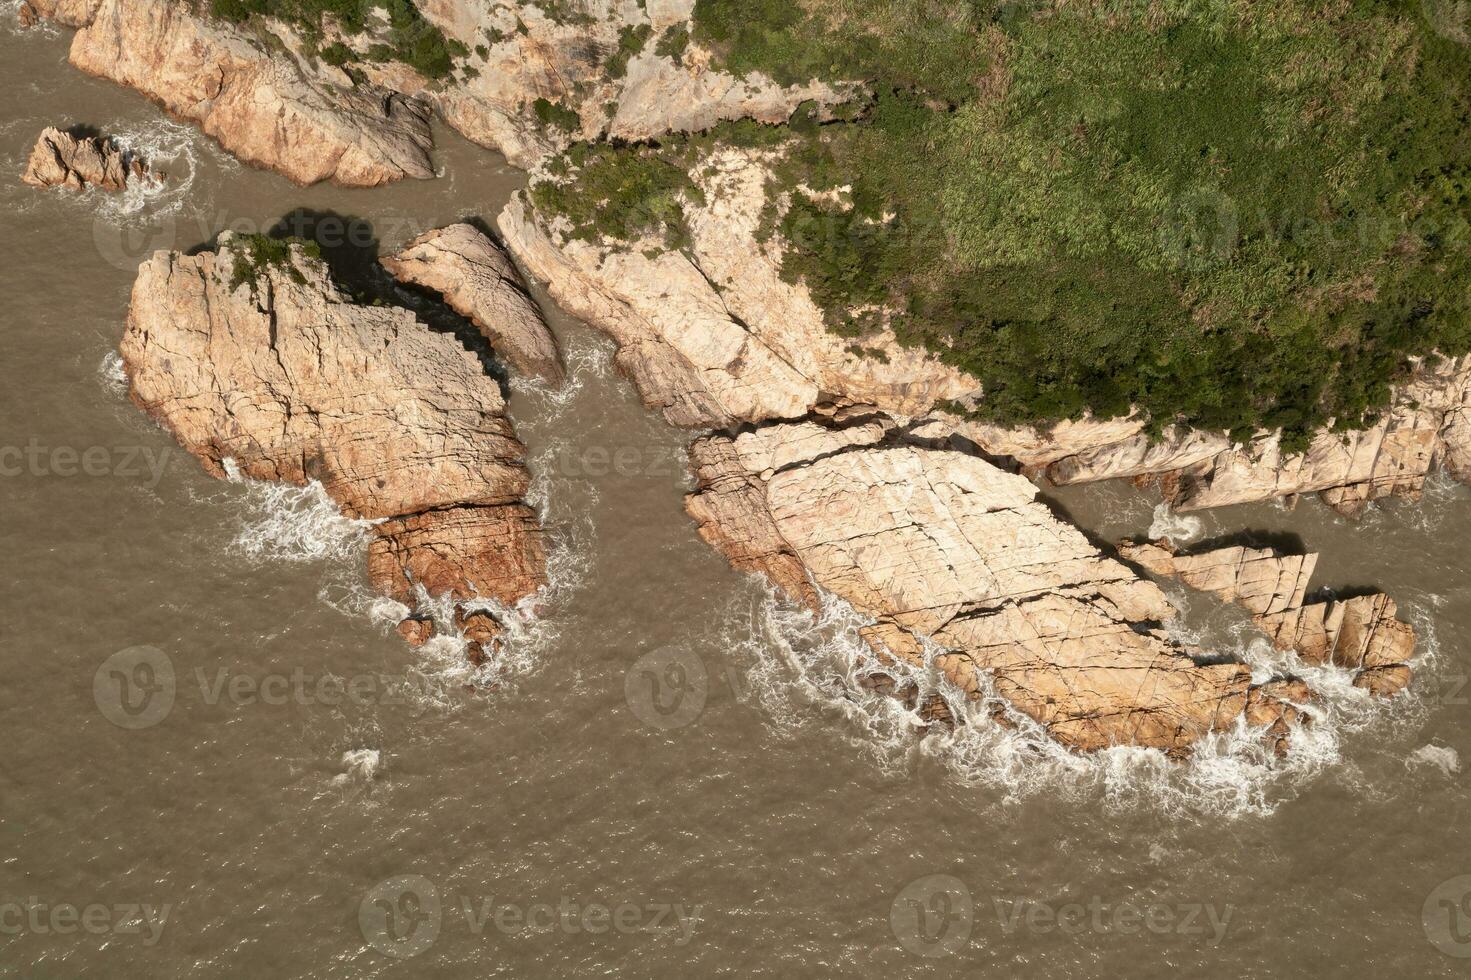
(263, 105)
(271, 102)
(60, 159)
(479, 281)
(564, 59)
(713, 336)
(269, 365)
(1360, 634)
(944, 545)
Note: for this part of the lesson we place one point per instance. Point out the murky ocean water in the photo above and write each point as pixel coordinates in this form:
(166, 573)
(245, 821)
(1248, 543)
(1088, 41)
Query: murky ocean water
(672, 775)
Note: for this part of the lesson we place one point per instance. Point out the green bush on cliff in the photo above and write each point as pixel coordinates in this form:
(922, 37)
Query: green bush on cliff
(408, 37)
(1228, 214)
(254, 254)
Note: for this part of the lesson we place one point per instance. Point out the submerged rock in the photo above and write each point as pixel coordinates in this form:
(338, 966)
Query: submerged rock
(265, 362)
(943, 545)
(1360, 634)
(60, 159)
(478, 280)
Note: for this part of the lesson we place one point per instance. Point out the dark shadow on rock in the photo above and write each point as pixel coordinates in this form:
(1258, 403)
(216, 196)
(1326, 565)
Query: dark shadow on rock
(1340, 593)
(350, 247)
(1282, 542)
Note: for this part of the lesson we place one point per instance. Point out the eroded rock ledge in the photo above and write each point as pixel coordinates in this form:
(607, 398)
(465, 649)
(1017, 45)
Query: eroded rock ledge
(478, 280)
(1360, 634)
(269, 365)
(941, 544)
(60, 159)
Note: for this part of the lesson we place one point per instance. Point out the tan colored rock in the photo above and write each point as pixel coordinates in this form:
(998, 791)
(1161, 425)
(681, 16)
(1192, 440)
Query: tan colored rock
(945, 545)
(478, 280)
(482, 634)
(531, 55)
(416, 630)
(463, 552)
(275, 371)
(69, 13)
(264, 106)
(1361, 634)
(713, 336)
(60, 159)
(1257, 578)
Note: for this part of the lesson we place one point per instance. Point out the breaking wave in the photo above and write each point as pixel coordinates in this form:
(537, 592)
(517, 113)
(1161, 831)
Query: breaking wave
(1179, 528)
(294, 524)
(802, 668)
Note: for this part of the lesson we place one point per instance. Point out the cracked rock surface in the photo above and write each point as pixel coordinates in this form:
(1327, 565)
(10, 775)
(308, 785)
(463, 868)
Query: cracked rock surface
(60, 159)
(1360, 634)
(478, 281)
(282, 373)
(943, 545)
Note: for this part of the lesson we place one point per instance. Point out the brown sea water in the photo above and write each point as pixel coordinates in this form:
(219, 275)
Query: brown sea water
(671, 776)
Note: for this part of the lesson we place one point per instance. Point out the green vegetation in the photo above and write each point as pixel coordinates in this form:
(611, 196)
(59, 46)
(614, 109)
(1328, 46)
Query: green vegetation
(555, 114)
(408, 37)
(1225, 213)
(619, 195)
(673, 42)
(254, 254)
(631, 41)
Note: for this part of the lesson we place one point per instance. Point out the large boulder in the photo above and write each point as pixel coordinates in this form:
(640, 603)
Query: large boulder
(479, 281)
(262, 104)
(943, 545)
(1360, 634)
(259, 363)
(60, 159)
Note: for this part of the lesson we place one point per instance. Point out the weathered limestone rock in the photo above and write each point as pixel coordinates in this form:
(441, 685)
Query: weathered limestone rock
(478, 280)
(269, 365)
(530, 54)
(60, 159)
(1257, 578)
(713, 336)
(1360, 634)
(942, 544)
(263, 105)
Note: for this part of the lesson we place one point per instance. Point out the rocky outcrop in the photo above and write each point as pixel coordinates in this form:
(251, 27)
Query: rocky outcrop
(60, 159)
(478, 280)
(566, 59)
(265, 366)
(1360, 634)
(940, 544)
(262, 104)
(712, 335)
(1425, 427)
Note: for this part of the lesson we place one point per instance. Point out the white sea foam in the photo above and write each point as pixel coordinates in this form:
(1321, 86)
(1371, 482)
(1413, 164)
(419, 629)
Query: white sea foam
(112, 373)
(291, 523)
(802, 667)
(1441, 757)
(359, 766)
(1179, 528)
